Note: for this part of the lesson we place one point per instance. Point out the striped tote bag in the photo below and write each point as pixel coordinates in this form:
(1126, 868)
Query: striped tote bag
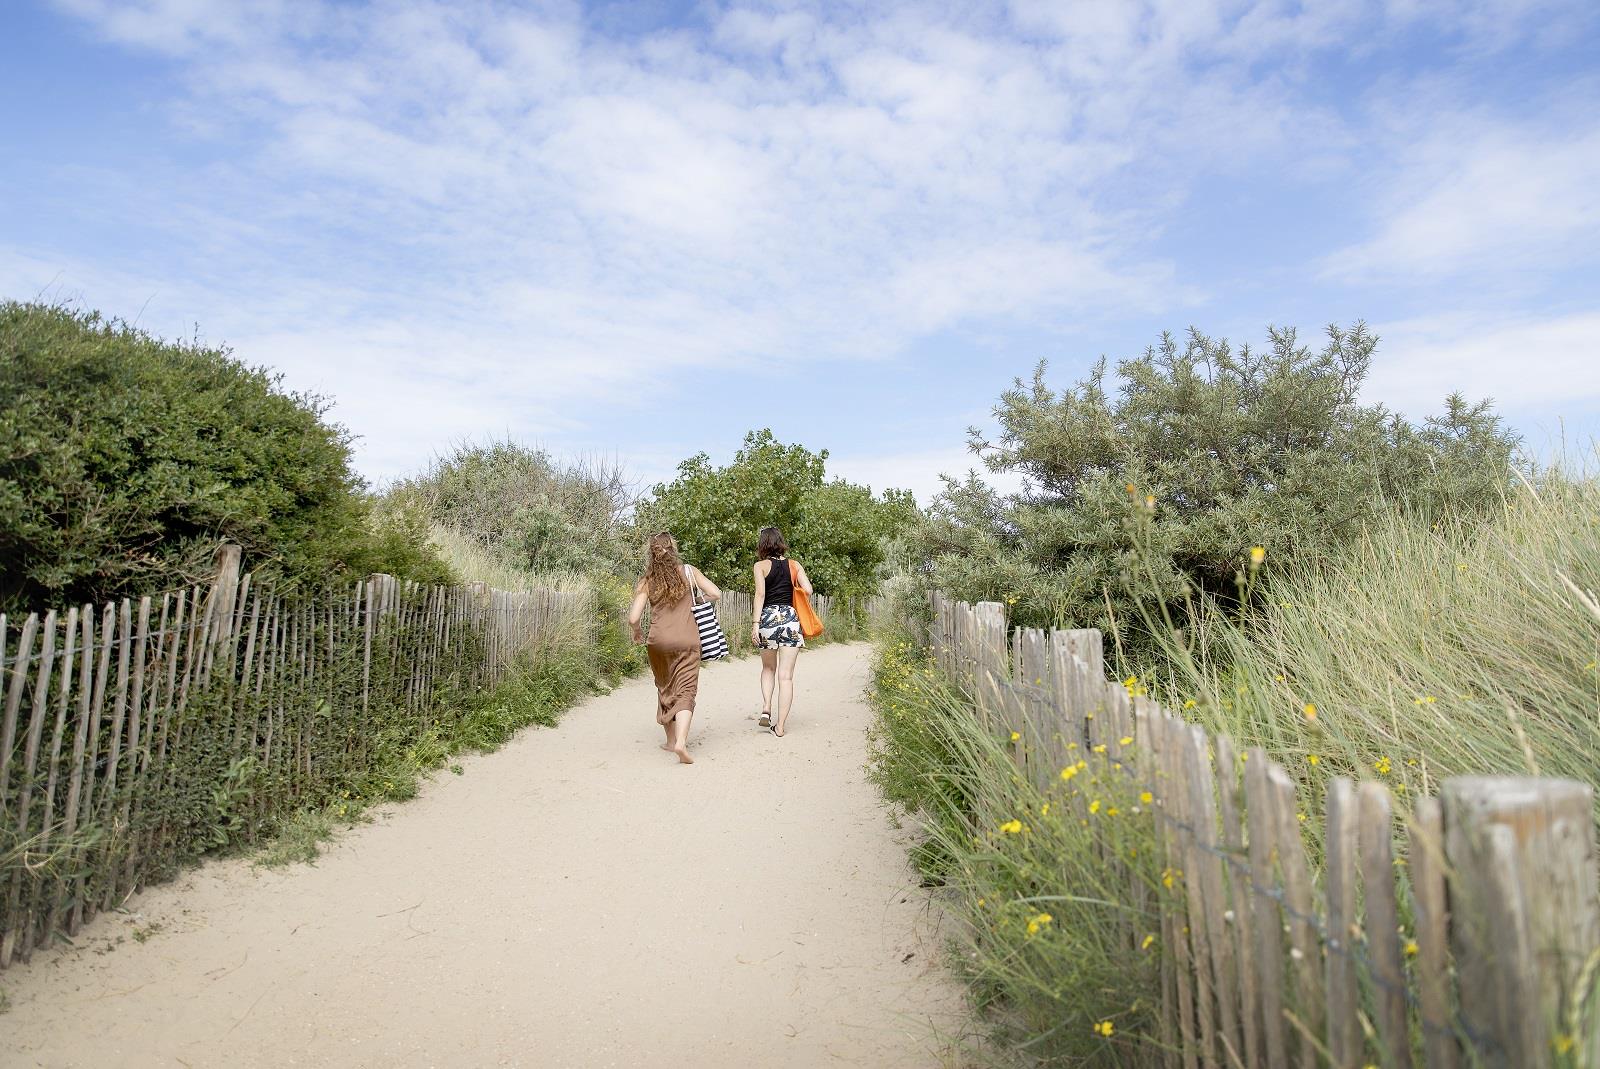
(713, 643)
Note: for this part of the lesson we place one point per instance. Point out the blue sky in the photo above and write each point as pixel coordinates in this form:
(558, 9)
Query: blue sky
(640, 229)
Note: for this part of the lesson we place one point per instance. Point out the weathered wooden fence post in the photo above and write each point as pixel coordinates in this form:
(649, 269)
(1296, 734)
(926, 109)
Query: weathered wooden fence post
(993, 657)
(1525, 912)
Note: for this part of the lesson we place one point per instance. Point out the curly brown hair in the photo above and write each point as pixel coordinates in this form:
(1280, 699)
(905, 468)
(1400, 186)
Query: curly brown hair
(663, 570)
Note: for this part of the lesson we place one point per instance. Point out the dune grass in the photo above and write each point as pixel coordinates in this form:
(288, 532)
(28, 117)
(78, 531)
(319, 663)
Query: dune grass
(1426, 650)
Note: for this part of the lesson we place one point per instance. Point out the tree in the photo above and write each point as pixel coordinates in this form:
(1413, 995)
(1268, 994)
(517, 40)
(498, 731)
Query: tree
(1204, 452)
(836, 528)
(124, 460)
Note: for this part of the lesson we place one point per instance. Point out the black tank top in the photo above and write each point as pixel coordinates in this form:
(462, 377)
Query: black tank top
(780, 588)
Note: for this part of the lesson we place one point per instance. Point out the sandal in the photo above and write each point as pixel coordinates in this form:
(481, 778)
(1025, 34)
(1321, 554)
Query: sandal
(765, 719)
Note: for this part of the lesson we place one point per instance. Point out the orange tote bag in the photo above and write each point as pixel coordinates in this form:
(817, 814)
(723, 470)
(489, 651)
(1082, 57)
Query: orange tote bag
(810, 622)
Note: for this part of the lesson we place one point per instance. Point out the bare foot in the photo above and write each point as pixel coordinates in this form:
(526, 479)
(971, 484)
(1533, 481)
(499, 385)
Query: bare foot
(667, 746)
(683, 756)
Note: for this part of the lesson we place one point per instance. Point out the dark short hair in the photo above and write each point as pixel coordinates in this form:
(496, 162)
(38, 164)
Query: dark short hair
(771, 544)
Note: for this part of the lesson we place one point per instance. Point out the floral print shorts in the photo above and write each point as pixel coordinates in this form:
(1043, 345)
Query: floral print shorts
(780, 627)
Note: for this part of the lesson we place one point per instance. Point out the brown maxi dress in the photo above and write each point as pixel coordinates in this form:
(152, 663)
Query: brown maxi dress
(674, 651)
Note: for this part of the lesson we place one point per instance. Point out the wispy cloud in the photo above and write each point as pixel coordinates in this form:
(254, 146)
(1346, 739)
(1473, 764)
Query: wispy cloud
(1521, 364)
(1474, 195)
(493, 216)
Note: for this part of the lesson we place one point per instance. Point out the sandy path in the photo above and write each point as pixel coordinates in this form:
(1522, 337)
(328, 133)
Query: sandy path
(576, 899)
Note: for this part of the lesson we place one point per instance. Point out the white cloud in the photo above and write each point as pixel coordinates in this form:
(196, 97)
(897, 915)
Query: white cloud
(456, 216)
(1475, 195)
(1530, 364)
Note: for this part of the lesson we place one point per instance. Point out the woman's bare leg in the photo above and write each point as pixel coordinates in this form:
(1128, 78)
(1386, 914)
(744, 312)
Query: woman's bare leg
(680, 741)
(786, 659)
(769, 679)
(667, 727)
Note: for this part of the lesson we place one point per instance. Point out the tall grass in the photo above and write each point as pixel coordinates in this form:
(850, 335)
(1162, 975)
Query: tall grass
(1061, 961)
(475, 562)
(1426, 651)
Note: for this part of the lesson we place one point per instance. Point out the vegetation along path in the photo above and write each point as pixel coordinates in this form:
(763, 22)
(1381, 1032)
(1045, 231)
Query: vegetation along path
(575, 899)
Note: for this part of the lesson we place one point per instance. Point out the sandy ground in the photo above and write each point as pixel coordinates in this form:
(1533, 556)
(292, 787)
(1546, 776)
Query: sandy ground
(576, 899)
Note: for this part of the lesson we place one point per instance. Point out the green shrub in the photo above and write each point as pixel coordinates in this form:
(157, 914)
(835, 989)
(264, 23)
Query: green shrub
(125, 460)
(524, 509)
(836, 528)
(1224, 449)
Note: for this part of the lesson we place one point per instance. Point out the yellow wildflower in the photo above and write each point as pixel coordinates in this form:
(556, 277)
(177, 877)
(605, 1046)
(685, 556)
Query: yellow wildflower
(1189, 704)
(1012, 827)
(1044, 810)
(1104, 1028)
(1038, 923)
(1094, 806)
(1113, 811)
(1126, 740)
(1146, 797)
(1068, 772)
(1411, 948)
(1310, 710)
(1100, 748)
(1562, 1043)
(1382, 766)
(1258, 554)
(1312, 758)
(1015, 735)
(1147, 941)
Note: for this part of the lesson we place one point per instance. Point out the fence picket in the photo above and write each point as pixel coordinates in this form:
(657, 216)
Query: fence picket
(15, 925)
(1344, 1024)
(69, 819)
(1261, 806)
(1426, 857)
(1383, 922)
(1228, 810)
(1174, 879)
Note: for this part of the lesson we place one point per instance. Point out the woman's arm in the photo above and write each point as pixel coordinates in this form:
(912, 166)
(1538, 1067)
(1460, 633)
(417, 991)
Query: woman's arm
(641, 596)
(805, 580)
(707, 587)
(756, 601)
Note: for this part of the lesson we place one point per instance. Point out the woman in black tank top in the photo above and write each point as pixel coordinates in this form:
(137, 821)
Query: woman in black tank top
(775, 631)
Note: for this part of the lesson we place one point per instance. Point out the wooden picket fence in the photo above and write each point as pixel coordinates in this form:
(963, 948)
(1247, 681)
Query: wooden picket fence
(132, 731)
(1277, 955)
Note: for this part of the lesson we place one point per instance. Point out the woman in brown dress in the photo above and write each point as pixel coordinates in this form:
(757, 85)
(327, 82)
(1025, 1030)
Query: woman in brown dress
(674, 644)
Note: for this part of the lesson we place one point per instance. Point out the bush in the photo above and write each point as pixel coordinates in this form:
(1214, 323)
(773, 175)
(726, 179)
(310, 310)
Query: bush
(1223, 449)
(525, 510)
(836, 528)
(125, 460)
